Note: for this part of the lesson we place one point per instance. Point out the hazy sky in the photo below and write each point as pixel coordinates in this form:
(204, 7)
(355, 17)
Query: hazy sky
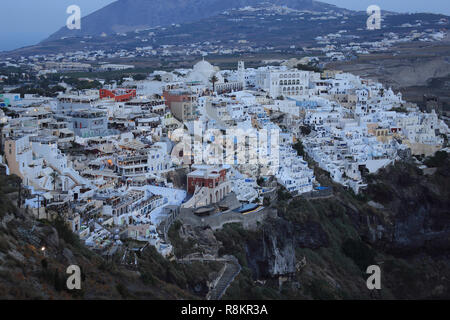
(26, 22)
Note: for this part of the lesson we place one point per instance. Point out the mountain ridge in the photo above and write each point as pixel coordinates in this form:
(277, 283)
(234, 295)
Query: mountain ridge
(129, 15)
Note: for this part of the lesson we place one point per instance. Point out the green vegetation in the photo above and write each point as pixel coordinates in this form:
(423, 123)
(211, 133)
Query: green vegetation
(305, 130)
(14, 75)
(320, 290)
(438, 160)
(83, 84)
(359, 252)
(260, 181)
(399, 109)
(406, 277)
(4, 245)
(46, 91)
(139, 77)
(108, 76)
(380, 192)
(214, 80)
(233, 238)
(308, 67)
(65, 233)
(283, 194)
(123, 291)
(298, 146)
(181, 247)
(155, 270)
(8, 184)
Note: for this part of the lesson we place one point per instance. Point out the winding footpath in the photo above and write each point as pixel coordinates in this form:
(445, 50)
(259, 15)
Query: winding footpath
(230, 271)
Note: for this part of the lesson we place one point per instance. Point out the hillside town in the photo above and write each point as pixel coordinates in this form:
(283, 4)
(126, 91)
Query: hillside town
(120, 163)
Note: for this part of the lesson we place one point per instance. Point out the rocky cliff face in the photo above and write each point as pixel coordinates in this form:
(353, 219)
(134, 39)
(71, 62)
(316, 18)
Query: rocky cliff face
(274, 254)
(415, 209)
(401, 223)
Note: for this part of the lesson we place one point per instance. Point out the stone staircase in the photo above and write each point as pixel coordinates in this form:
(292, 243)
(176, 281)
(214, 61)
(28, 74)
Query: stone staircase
(232, 269)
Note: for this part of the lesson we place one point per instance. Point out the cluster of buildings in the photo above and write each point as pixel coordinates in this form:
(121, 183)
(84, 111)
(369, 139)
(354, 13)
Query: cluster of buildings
(111, 157)
(343, 45)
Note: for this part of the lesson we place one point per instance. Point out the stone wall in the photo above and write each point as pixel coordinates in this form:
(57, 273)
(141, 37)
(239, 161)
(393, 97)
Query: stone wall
(248, 221)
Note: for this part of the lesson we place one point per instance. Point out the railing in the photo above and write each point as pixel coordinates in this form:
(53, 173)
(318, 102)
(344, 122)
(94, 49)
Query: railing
(168, 223)
(232, 263)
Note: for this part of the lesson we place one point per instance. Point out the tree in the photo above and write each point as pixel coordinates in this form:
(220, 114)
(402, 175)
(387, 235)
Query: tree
(308, 67)
(359, 252)
(305, 130)
(298, 146)
(214, 80)
(260, 181)
(139, 77)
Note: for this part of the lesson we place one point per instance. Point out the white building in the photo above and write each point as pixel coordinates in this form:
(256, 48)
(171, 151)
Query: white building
(281, 81)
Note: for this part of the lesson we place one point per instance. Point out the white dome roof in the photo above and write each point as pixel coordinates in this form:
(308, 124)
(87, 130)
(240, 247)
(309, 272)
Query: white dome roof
(204, 67)
(202, 72)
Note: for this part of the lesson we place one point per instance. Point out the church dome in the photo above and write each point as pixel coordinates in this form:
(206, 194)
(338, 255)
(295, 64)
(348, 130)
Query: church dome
(204, 67)
(202, 72)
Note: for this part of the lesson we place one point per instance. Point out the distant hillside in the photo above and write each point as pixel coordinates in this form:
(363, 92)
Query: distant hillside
(129, 15)
(235, 25)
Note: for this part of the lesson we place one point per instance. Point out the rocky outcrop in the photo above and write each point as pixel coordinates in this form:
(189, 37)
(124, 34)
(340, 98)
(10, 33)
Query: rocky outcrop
(274, 254)
(413, 215)
(311, 235)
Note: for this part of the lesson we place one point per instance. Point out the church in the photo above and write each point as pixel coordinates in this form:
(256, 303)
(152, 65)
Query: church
(202, 73)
